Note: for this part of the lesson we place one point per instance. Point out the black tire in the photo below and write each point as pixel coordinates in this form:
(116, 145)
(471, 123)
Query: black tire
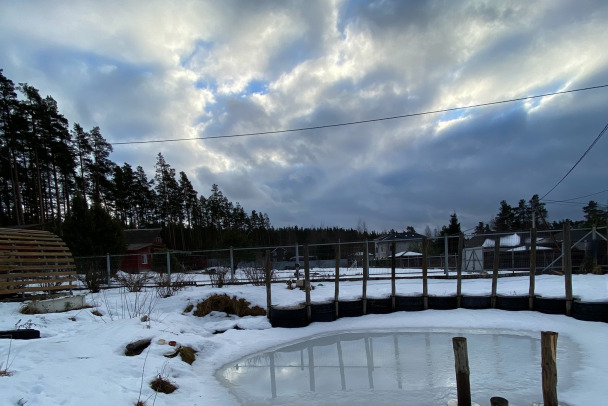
(476, 302)
(350, 308)
(590, 311)
(550, 305)
(409, 303)
(323, 311)
(21, 334)
(513, 303)
(379, 306)
(442, 302)
(288, 317)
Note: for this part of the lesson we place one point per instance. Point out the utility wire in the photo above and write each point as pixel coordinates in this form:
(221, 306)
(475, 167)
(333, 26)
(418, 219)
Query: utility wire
(373, 120)
(579, 160)
(576, 198)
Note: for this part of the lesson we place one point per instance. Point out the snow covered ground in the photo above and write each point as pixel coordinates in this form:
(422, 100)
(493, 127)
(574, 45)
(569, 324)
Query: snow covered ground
(80, 358)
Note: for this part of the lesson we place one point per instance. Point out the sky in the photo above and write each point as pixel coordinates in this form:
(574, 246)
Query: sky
(166, 70)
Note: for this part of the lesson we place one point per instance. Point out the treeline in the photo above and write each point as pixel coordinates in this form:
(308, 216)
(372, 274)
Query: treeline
(533, 212)
(62, 178)
(45, 165)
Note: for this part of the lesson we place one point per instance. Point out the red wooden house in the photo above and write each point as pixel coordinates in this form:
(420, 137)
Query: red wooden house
(141, 244)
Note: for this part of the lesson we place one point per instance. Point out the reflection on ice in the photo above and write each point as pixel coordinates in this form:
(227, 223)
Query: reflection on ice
(395, 367)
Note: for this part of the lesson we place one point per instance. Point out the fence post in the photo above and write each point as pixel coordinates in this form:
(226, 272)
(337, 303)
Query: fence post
(548, 342)
(337, 279)
(307, 283)
(532, 268)
(567, 265)
(169, 268)
(459, 270)
(393, 274)
(231, 264)
(446, 255)
(497, 401)
(108, 267)
(425, 274)
(268, 286)
(461, 364)
(495, 272)
(365, 275)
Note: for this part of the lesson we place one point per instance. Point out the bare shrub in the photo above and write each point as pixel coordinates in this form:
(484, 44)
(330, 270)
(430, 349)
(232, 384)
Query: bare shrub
(168, 286)
(133, 282)
(93, 279)
(218, 276)
(229, 305)
(257, 276)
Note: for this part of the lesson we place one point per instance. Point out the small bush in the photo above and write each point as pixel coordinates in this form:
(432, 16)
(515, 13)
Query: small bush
(163, 385)
(133, 282)
(257, 276)
(93, 279)
(218, 276)
(229, 305)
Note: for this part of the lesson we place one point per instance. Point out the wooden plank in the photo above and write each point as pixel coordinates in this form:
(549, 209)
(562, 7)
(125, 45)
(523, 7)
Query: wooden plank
(54, 247)
(42, 261)
(38, 289)
(461, 364)
(38, 254)
(37, 281)
(548, 342)
(16, 276)
(36, 268)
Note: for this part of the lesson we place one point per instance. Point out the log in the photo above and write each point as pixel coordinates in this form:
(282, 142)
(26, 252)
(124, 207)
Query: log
(461, 364)
(548, 344)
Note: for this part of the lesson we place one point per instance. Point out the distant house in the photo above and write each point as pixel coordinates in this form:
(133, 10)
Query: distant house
(141, 244)
(478, 253)
(404, 242)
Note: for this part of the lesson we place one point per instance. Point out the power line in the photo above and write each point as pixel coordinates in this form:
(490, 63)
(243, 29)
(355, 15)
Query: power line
(579, 160)
(373, 120)
(576, 198)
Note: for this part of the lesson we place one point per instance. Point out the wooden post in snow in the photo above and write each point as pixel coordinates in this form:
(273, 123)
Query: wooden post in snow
(459, 270)
(268, 287)
(365, 276)
(461, 364)
(337, 279)
(425, 274)
(567, 267)
(307, 283)
(548, 342)
(495, 271)
(532, 268)
(393, 274)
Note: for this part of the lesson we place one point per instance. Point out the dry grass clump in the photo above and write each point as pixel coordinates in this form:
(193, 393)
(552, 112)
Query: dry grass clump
(4, 371)
(229, 305)
(163, 385)
(189, 308)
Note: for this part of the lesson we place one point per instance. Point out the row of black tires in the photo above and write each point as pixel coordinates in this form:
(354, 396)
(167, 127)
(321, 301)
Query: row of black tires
(324, 312)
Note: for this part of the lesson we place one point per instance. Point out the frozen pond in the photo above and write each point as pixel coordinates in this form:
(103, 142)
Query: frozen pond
(396, 367)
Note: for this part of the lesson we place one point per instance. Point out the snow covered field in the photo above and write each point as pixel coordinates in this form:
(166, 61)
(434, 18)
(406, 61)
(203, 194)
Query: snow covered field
(80, 358)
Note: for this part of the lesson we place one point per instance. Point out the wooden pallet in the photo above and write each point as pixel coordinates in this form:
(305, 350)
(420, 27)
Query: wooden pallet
(34, 261)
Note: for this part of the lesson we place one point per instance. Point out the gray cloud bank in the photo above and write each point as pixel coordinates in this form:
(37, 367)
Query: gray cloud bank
(144, 70)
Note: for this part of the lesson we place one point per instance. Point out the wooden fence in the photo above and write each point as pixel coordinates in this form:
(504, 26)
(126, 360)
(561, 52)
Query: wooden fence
(34, 261)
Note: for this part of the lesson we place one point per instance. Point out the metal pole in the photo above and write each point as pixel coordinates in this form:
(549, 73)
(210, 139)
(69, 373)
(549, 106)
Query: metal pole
(169, 268)
(446, 255)
(231, 264)
(568, 268)
(108, 267)
(532, 267)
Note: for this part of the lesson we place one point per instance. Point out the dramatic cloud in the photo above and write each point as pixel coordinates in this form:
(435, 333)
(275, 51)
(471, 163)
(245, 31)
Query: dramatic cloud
(152, 70)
